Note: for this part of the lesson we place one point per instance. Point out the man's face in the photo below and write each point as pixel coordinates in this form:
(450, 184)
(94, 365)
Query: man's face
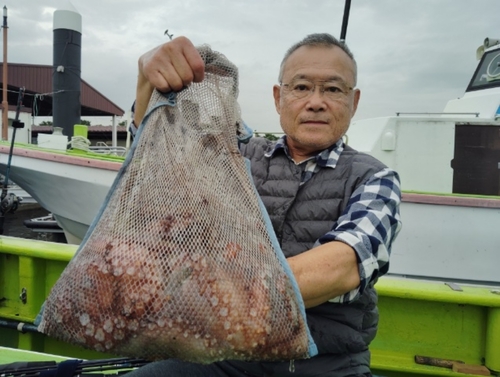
(316, 101)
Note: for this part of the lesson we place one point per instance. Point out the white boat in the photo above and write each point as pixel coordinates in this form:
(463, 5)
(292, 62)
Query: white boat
(70, 185)
(449, 165)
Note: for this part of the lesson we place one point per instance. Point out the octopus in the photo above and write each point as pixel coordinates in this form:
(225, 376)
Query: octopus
(163, 298)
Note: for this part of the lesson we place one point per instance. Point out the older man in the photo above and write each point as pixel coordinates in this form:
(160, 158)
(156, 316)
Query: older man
(335, 211)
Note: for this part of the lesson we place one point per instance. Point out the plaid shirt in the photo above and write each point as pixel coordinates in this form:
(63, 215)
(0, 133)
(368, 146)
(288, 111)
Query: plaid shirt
(370, 221)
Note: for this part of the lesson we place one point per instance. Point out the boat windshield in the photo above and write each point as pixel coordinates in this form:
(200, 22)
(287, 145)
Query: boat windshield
(487, 74)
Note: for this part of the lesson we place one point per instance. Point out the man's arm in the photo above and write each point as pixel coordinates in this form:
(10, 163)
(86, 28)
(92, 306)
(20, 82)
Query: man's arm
(325, 272)
(356, 252)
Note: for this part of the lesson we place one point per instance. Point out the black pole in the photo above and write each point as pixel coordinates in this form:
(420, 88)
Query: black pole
(19, 326)
(345, 20)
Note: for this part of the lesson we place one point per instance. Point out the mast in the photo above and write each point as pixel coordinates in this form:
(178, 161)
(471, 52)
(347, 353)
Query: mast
(5, 101)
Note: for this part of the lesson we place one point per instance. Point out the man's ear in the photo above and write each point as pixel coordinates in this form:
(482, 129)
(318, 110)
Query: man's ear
(277, 97)
(357, 95)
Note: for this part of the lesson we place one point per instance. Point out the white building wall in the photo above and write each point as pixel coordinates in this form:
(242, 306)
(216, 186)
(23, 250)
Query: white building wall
(23, 135)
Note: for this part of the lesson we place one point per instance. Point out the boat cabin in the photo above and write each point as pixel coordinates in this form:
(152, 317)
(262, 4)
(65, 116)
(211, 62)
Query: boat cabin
(456, 151)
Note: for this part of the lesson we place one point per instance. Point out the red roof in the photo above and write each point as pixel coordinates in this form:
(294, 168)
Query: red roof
(37, 79)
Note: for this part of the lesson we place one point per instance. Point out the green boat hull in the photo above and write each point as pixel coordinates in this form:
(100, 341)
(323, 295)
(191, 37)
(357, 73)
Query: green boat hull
(417, 318)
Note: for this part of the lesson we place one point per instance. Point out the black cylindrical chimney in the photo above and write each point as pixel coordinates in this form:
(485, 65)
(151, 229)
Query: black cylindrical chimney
(66, 74)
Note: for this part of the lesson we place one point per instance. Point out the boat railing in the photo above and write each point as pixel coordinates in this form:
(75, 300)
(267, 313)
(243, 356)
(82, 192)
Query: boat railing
(441, 113)
(103, 148)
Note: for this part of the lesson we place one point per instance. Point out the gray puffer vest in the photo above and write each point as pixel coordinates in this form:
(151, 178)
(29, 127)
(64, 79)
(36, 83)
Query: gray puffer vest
(302, 214)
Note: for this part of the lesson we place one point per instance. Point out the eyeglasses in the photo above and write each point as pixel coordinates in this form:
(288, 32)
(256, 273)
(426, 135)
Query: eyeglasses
(303, 88)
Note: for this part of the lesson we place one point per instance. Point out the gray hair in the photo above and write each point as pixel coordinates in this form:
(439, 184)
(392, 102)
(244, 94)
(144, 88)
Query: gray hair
(321, 40)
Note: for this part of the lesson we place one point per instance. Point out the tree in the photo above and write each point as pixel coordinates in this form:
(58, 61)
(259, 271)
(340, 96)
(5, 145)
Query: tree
(271, 137)
(46, 123)
(267, 135)
(85, 122)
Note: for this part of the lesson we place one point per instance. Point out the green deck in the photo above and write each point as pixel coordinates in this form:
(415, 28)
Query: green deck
(9, 355)
(69, 152)
(416, 318)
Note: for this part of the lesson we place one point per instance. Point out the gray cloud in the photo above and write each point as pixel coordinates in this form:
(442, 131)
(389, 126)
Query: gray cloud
(412, 56)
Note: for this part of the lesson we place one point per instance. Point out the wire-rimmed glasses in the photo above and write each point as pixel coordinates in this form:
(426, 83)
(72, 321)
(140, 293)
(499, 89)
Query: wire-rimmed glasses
(303, 88)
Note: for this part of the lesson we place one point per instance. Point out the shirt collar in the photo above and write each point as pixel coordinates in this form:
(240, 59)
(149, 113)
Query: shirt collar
(326, 158)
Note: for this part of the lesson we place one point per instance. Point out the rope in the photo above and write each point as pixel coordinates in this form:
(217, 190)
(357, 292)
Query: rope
(80, 143)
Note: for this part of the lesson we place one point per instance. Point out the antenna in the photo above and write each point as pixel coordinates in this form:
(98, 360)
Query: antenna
(168, 35)
(5, 99)
(345, 20)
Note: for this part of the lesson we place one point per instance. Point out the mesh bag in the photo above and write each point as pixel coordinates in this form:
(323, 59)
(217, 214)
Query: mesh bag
(182, 260)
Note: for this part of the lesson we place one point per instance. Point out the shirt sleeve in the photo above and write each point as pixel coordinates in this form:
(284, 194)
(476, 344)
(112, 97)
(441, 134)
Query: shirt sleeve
(369, 224)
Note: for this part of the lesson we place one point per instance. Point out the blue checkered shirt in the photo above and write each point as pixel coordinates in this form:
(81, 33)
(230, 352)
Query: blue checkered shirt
(370, 221)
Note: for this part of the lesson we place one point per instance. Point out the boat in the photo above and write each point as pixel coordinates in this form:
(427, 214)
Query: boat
(70, 184)
(422, 323)
(46, 224)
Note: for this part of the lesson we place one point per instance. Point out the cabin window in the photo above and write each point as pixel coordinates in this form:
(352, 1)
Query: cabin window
(487, 74)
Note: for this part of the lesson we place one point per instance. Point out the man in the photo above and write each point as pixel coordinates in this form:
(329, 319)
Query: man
(335, 211)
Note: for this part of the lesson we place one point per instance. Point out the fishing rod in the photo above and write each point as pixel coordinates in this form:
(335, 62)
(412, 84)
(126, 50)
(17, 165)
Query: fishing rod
(19, 326)
(67, 368)
(10, 202)
(71, 367)
(345, 20)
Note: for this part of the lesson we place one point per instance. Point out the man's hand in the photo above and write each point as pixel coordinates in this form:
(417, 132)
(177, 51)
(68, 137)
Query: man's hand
(168, 67)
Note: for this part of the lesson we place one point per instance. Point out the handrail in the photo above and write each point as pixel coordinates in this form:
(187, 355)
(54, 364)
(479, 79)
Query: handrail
(476, 114)
(105, 149)
(452, 199)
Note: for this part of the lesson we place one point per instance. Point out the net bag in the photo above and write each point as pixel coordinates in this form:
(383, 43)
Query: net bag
(182, 262)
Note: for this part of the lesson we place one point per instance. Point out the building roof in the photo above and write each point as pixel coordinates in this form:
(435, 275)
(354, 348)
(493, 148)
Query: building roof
(37, 80)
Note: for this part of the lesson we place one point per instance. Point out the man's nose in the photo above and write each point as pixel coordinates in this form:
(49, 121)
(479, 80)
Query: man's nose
(316, 100)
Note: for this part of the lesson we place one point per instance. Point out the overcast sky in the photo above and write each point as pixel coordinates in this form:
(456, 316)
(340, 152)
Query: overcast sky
(412, 55)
